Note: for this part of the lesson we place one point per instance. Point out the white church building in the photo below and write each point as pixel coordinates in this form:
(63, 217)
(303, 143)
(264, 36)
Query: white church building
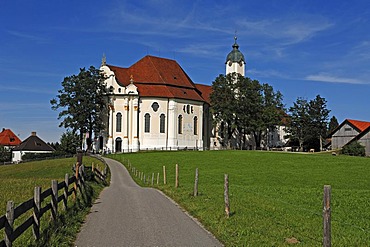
(154, 105)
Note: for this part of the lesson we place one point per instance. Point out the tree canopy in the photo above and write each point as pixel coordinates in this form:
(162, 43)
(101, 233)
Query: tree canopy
(82, 102)
(243, 106)
(308, 122)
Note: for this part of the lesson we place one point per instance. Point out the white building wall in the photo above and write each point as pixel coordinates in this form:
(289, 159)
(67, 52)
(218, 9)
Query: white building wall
(235, 67)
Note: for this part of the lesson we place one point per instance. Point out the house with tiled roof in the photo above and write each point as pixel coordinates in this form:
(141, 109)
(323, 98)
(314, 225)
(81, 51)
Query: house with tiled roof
(351, 130)
(33, 144)
(8, 139)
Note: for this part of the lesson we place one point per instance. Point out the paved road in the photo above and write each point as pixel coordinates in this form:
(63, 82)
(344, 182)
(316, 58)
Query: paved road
(128, 215)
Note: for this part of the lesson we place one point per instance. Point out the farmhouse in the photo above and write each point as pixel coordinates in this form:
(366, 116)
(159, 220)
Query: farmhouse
(8, 139)
(153, 104)
(349, 131)
(33, 144)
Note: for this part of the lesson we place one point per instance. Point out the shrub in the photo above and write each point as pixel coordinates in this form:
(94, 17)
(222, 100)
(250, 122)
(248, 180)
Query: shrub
(354, 148)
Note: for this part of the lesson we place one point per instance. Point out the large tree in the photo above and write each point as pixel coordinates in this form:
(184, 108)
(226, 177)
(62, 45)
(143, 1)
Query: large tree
(82, 101)
(223, 105)
(243, 106)
(308, 122)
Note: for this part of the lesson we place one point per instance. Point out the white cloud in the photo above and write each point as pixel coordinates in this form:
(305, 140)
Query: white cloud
(333, 79)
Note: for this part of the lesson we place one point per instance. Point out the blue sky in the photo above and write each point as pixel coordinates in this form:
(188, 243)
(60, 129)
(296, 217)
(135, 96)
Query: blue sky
(301, 48)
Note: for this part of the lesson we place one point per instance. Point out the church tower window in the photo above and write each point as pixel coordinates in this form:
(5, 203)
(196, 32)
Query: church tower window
(147, 123)
(162, 122)
(118, 122)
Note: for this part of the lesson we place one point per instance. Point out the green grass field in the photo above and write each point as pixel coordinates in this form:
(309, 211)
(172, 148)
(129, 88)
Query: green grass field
(273, 196)
(17, 183)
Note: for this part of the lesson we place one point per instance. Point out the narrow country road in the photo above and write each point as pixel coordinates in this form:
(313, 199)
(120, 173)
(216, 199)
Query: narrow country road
(128, 215)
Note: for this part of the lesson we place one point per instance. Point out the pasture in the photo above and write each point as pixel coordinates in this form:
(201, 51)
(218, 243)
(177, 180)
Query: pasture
(17, 183)
(276, 199)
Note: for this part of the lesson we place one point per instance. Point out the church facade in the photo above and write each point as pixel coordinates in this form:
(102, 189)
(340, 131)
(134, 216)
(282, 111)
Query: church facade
(154, 105)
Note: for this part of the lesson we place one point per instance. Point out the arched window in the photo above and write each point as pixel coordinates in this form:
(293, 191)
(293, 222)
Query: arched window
(118, 122)
(180, 125)
(162, 123)
(118, 145)
(147, 123)
(195, 125)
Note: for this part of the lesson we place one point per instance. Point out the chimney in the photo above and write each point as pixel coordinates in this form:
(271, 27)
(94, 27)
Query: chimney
(3, 130)
(33, 133)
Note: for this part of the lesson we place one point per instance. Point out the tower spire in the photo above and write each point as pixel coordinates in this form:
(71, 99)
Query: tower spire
(104, 60)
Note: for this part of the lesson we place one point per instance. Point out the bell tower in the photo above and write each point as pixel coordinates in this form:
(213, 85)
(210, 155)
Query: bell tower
(235, 61)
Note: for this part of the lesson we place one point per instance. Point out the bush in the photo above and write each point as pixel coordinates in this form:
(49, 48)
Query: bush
(354, 149)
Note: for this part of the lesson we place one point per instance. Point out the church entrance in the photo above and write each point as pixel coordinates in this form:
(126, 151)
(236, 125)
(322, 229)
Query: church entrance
(118, 145)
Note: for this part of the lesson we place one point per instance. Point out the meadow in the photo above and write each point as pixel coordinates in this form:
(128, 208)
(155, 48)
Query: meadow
(276, 198)
(17, 183)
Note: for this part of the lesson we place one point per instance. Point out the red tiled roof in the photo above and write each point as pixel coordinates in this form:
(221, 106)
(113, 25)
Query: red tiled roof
(360, 125)
(158, 77)
(8, 138)
(206, 91)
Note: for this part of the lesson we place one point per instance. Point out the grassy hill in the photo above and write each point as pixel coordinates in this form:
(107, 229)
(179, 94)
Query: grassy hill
(274, 197)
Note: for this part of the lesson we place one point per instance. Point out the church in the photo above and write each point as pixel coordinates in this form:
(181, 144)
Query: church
(154, 105)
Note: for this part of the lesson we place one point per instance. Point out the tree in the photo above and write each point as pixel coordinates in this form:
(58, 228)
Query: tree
(333, 124)
(69, 143)
(298, 121)
(243, 106)
(308, 122)
(5, 154)
(354, 149)
(223, 105)
(82, 102)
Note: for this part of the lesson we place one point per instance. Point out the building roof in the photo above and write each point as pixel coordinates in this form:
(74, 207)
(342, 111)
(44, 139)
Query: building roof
(158, 77)
(235, 56)
(8, 138)
(33, 143)
(205, 91)
(360, 125)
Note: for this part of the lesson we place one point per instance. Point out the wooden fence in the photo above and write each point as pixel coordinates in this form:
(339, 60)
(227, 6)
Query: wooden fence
(12, 212)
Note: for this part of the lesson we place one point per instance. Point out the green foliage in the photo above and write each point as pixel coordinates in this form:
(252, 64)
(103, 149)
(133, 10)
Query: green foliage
(82, 101)
(354, 149)
(69, 143)
(333, 123)
(244, 106)
(273, 196)
(308, 122)
(5, 154)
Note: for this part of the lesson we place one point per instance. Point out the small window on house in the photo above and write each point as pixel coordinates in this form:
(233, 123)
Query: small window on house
(118, 122)
(347, 129)
(195, 125)
(162, 123)
(180, 125)
(147, 123)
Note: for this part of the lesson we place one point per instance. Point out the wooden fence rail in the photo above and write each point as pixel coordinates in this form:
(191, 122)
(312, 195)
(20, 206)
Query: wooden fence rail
(12, 213)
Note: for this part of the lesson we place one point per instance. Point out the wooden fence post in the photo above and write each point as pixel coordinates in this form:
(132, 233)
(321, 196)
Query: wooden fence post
(196, 182)
(77, 167)
(36, 212)
(66, 185)
(177, 176)
(158, 178)
(152, 178)
(164, 174)
(226, 196)
(9, 224)
(54, 200)
(327, 216)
